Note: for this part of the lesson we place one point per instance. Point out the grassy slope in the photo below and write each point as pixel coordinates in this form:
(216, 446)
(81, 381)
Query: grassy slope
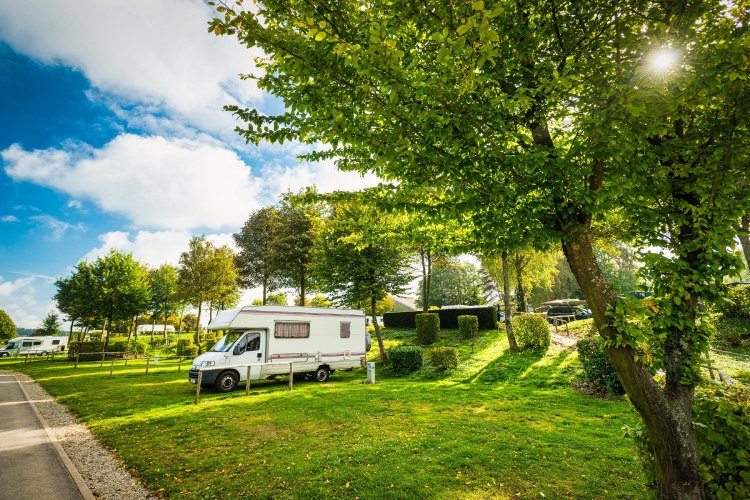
(502, 425)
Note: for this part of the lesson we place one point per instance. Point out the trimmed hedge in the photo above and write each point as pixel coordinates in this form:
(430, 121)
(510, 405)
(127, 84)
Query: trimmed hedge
(596, 365)
(405, 359)
(186, 347)
(443, 358)
(721, 420)
(487, 317)
(532, 331)
(75, 348)
(428, 328)
(468, 326)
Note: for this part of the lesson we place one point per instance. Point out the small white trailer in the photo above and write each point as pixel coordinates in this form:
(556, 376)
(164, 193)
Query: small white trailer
(34, 345)
(158, 328)
(317, 341)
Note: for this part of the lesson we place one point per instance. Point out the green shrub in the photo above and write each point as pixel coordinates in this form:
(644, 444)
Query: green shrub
(139, 346)
(597, 367)
(428, 328)
(735, 332)
(82, 348)
(468, 326)
(737, 303)
(531, 331)
(721, 420)
(443, 358)
(186, 347)
(405, 359)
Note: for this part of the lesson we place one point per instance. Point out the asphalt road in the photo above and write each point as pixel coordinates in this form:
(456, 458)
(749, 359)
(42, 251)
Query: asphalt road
(30, 465)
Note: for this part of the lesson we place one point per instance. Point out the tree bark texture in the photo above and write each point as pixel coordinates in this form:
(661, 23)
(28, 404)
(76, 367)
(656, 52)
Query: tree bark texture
(743, 234)
(666, 411)
(381, 346)
(506, 298)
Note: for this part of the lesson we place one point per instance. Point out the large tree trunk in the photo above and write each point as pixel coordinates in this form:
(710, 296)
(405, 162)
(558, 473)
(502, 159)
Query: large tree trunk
(302, 291)
(381, 346)
(506, 298)
(70, 334)
(666, 411)
(743, 234)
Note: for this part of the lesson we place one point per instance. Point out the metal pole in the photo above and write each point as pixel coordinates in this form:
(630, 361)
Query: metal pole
(148, 361)
(111, 367)
(291, 376)
(77, 356)
(198, 387)
(247, 382)
(179, 364)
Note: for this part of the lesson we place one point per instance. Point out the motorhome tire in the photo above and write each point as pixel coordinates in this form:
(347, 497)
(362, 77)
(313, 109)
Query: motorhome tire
(4, 354)
(321, 374)
(226, 382)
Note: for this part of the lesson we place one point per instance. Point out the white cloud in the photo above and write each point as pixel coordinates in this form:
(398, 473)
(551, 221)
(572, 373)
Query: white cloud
(149, 56)
(75, 204)
(21, 299)
(152, 248)
(324, 175)
(161, 183)
(56, 227)
(8, 218)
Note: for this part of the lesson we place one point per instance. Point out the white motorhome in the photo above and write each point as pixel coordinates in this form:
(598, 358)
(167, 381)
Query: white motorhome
(317, 340)
(144, 329)
(34, 345)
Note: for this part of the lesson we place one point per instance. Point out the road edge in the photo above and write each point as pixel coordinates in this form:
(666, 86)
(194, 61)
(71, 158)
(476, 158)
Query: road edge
(72, 470)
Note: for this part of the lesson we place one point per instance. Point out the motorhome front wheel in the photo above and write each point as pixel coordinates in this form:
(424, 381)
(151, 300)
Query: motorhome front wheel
(226, 382)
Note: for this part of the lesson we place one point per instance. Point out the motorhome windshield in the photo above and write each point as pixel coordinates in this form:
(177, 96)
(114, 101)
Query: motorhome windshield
(11, 345)
(225, 342)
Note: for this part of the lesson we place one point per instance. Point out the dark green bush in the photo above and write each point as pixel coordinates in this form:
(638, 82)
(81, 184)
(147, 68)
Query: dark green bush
(405, 359)
(721, 420)
(443, 358)
(597, 367)
(468, 326)
(428, 328)
(735, 332)
(531, 331)
(737, 304)
(186, 347)
(84, 347)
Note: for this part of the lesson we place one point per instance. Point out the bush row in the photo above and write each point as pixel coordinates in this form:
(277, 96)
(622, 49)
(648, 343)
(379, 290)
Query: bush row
(410, 358)
(487, 318)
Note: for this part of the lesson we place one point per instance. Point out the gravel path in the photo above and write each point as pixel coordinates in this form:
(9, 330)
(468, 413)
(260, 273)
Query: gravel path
(103, 473)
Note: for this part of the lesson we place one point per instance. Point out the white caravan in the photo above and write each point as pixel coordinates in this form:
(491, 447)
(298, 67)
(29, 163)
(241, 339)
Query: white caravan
(317, 340)
(34, 345)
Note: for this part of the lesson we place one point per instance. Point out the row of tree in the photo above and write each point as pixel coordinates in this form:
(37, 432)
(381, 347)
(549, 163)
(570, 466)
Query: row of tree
(117, 288)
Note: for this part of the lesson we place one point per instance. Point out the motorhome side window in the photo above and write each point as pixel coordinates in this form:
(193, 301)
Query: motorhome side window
(291, 330)
(346, 329)
(26, 344)
(55, 342)
(253, 342)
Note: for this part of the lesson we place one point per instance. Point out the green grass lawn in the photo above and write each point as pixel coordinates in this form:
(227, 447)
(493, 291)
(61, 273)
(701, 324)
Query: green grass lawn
(502, 425)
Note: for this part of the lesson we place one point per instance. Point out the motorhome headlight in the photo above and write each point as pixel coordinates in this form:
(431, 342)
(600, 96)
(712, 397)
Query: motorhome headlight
(208, 363)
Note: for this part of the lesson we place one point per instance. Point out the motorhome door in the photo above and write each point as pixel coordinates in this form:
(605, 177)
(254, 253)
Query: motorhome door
(250, 349)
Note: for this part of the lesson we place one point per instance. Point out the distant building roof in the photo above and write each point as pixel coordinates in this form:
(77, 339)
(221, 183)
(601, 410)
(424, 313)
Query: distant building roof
(405, 302)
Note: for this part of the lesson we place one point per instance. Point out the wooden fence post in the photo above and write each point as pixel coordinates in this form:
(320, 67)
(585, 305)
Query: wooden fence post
(179, 364)
(148, 362)
(291, 376)
(111, 367)
(247, 382)
(78, 355)
(198, 387)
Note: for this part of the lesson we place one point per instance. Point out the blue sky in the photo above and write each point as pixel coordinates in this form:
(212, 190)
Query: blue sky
(112, 136)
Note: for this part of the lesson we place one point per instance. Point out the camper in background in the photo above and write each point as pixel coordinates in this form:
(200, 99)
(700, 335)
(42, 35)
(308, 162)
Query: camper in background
(34, 345)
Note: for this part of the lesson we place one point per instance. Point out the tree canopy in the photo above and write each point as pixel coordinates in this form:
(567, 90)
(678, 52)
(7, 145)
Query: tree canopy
(7, 327)
(537, 119)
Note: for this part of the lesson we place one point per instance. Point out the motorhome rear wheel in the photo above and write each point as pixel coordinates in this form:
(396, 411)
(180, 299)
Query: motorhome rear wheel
(321, 374)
